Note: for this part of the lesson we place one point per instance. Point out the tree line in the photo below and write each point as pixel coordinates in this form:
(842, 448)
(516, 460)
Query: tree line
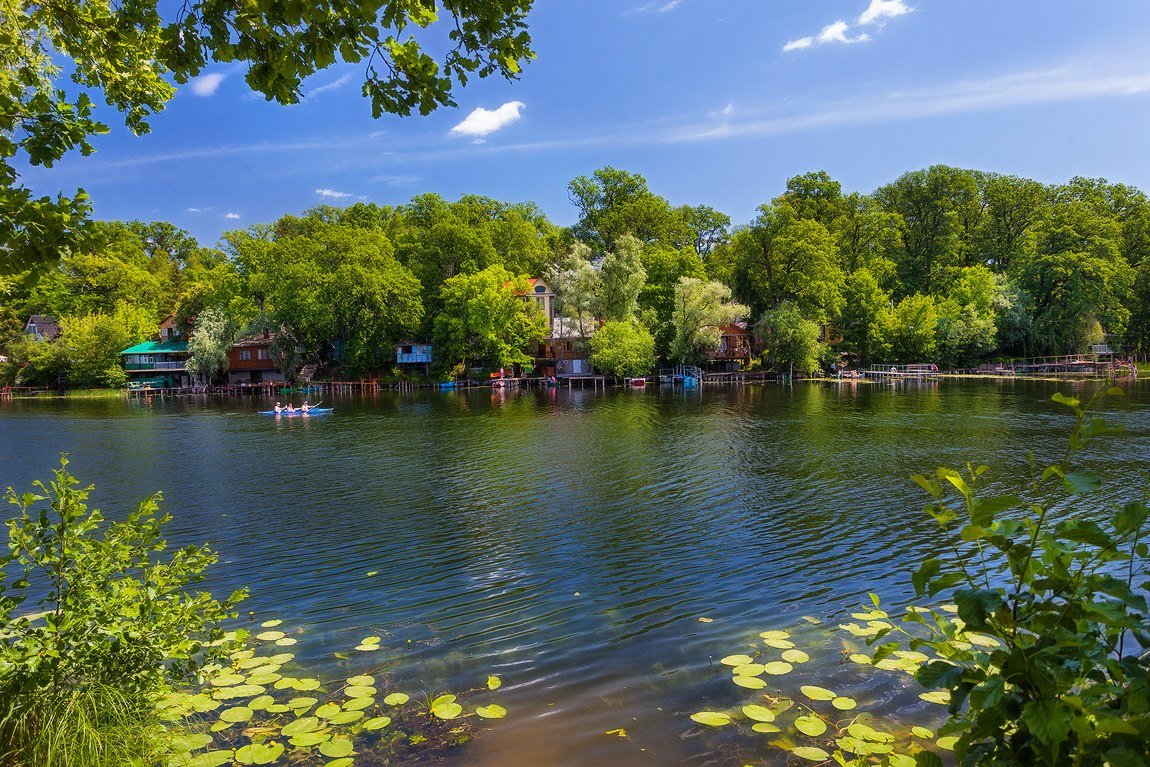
(943, 265)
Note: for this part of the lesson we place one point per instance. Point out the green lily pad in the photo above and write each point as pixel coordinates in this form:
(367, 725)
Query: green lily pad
(367, 647)
(236, 714)
(260, 753)
(941, 697)
(302, 702)
(327, 710)
(336, 747)
(811, 753)
(775, 634)
(844, 703)
(210, 759)
(494, 683)
(359, 691)
(270, 636)
(922, 732)
(345, 717)
(736, 660)
(861, 658)
(795, 656)
(306, 685)
(271, 624)
(810, 725)
(778, 668)
(286, 642)
(765, 727)
(358, 704)
(361, 681)
(817, 693)
(900, 760)
(447, 710)
(227, 680)
(779, 644)
(346, 761)
(758, 713)
(749, 669)
(397, 699)
(309, 739)
(261, 703)
(378, 723)
(712, 718)
(750, 682)
(491, 712)
(947, 743)
(300, 726)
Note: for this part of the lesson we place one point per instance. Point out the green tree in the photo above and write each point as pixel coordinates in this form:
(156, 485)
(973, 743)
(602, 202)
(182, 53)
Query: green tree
(343, 286)
(1013, 206)
(487, 317)
(910, 330)
(623, 348)
(578, 290)
(92, 344)
(865, 305)
(701, 310)
(622, 279)
(128, 53)
(208, 347)
(614, 202)
(791, 343)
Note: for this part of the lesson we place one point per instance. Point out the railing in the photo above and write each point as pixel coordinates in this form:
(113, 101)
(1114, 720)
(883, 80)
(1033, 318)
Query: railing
(140, 366)
(406, 359)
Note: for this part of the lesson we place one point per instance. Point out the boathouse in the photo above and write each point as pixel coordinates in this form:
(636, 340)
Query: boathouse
(736, 347)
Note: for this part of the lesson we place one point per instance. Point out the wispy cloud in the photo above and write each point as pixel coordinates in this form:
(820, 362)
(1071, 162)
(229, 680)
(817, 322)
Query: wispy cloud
(482, 122)
(880, 10)
(198, 210)
(876, 13)
(658, 6)
(232, 216)
(207, 85)
(334, 85)
(396, 180)
(332, 194)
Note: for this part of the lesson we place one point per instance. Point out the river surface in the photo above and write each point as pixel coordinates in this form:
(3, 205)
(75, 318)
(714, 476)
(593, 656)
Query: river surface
(567, 542)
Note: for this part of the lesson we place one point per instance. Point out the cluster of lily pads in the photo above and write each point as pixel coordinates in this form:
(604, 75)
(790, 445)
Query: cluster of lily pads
(248, 709)
(818, 724)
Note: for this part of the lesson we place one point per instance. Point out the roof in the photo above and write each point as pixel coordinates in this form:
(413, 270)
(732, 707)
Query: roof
(46, 326)
(252, 343)
(158, 347)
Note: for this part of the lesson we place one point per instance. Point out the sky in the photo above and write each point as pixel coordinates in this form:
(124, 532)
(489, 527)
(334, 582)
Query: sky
(714, 102)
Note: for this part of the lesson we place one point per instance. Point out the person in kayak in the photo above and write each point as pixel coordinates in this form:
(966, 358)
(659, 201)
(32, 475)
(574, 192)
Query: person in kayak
(291, 408)
(278, 409)
(305, 407)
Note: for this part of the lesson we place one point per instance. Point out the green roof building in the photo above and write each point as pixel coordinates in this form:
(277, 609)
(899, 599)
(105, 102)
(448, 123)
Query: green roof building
(157, 365)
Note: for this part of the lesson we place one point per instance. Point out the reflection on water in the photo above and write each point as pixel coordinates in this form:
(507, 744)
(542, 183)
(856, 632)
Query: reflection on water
(568, 542)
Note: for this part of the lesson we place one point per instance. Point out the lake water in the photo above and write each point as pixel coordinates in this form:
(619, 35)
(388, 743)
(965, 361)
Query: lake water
(567, 542)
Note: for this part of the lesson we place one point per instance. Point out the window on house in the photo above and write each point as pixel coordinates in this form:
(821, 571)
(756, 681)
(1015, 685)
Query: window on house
(261, 354)
(245, 354)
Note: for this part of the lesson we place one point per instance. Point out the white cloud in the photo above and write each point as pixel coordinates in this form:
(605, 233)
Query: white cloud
(729, 109)
(661, 6)
(232, 216)
(207, 85)
(881, 10)
(332, 194)
(837, 33)
(333, 85)
(482, 122)
(798, 45)
(198, 210)
(395, 180)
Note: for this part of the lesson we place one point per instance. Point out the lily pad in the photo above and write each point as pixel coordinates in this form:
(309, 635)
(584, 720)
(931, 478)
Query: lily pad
(270, 636)
(359, 691)
(749, 669)
(301, 702)
(261, 702)
(336, 747)
(817, 693)
(358, 704)
(345, 717)
(236, 714)
(778, 668)
(378, 723)
(941, 697)
(922, 732)
(286, 642)
(811, 753)
(271, 624)
(494, 683)
(795, 656)
(346, 761)
(736, 660)
(260, 753)
(712, 718)
(844, 703)
(779, 644)
(862, 658)
(750, 682)
(309, 739)
(947, 743)
(491, 712)
(758, 713)
(327, 710)
(765, 727)
(775, 635)
(300, 726)
(210, 759)
(397, 699)
(362, 680)
(810, 725)
(447, 710)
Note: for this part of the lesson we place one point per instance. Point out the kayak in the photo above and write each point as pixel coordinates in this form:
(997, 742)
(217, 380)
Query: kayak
(313, 411)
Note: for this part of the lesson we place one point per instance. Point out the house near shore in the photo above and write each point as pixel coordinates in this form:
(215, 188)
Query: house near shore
(252, 362)
(157, 365)
(413, 355)
(42, 327)
(736, 348)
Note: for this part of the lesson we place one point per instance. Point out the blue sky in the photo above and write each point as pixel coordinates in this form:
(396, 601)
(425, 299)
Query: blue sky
(714, 101)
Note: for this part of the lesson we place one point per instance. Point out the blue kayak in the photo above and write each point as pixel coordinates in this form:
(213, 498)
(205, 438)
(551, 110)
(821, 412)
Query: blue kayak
(312, 411)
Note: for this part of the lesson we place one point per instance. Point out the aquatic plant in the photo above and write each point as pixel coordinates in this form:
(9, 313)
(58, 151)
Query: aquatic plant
(1042, 659)
(257, 708)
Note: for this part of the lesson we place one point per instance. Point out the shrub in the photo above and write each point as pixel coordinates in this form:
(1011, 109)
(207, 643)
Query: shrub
(115, 624)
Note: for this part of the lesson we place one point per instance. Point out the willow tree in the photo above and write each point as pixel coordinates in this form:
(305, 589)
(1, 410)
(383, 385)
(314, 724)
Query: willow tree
(208, 348)
(701, 310)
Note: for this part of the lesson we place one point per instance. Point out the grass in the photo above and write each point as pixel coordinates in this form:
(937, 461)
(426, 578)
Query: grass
(81, 726)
